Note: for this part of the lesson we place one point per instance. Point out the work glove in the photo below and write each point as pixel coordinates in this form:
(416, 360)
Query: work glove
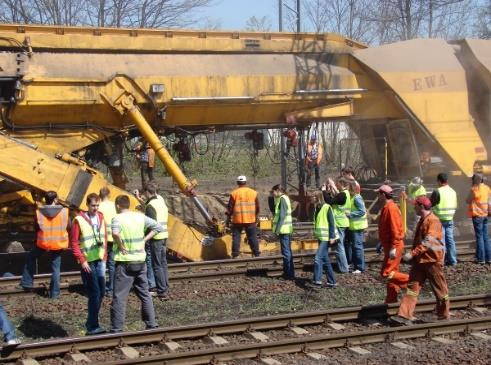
(407, 257)
(379, 248)
(392, 253)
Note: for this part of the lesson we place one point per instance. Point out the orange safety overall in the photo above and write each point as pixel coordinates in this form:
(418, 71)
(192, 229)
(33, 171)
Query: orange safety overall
(391, 236)
(428, 254)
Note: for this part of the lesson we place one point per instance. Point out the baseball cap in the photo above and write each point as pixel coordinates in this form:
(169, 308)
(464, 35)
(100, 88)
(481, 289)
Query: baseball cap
(241, 178)
(423, 201)
(384, 189)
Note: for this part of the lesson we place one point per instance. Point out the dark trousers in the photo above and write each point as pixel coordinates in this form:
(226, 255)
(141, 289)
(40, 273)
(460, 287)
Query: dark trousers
(250, 229)
(129, 276)
(158, 252)
(110, 268)
(145, 169)
(315, 167)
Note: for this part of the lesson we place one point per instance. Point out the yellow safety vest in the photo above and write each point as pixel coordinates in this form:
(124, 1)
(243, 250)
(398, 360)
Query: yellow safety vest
(357, 223)
(445, 209)
(108, 210)
(321, 224)
(132, 235)
(160, 207)
(340, 211)
(91, 240)
(287, 226)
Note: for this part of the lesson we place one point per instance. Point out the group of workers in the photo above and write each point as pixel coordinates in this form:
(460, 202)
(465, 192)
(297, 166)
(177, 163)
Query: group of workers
(133, 244)
(107, 234)
(341, 218)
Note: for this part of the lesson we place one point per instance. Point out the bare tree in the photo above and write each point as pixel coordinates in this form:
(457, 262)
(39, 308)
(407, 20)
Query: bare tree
(483, 23)
(117, 13)
(396, 20)
(347, 17)
(259, 24)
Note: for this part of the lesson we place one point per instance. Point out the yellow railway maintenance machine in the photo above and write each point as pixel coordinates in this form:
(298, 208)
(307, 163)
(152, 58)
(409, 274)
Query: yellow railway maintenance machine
(66, 89)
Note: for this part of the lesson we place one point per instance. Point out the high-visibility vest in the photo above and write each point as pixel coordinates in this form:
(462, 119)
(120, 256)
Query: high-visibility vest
(357, 223)
(160, 207)
(445, 209)
(340, 211)
(132, 235)
(479, 208)
(108, 210)
(245, 205)
(321, 224)
(287, 226)
(52, 234)
(91, 240)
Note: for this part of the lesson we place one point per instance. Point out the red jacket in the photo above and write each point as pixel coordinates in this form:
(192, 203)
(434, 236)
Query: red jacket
(75, 235)
(390, 230)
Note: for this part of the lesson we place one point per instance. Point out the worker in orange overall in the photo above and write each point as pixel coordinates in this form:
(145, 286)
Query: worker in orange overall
(427, 255)
(242, 212)
(391, 236)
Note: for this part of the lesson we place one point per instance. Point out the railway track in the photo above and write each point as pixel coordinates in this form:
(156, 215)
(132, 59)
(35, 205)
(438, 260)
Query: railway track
(298, 332)
(209, 270)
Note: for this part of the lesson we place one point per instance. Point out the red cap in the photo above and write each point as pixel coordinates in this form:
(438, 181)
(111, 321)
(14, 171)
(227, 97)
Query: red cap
(423, 201)
(385, 189)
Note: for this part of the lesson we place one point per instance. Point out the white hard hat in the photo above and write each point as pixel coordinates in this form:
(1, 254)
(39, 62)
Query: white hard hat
(241, 178)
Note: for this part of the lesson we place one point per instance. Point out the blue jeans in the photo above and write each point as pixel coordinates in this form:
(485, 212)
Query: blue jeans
(110, 268)
(286, 252)
(28, 273)
(7, 327)
(358, 249)
(483, 248)
(95, 284)
(450, 250)
(340, 253)
(159, 264)
(148, 262)
(322, 263)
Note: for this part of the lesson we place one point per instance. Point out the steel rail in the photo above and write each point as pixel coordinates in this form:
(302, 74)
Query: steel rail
(73, 344)
(197, 271)
(309, 343)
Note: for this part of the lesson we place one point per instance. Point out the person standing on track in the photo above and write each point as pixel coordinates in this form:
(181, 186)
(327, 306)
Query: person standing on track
(444, 202)
(108, 210)
(427, 255)
(338, 197)
(478, 210)
(242, 212)
(283, 227)
(128, 229)
(325, 231)
(391, 237)
(52, 225)
(89, 246)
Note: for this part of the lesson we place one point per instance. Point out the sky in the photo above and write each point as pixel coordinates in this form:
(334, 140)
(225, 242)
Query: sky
(233, 14)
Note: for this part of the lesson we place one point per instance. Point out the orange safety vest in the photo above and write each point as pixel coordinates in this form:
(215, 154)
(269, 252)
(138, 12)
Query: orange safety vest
(245, 205)
(479, 205)
(52, 234)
